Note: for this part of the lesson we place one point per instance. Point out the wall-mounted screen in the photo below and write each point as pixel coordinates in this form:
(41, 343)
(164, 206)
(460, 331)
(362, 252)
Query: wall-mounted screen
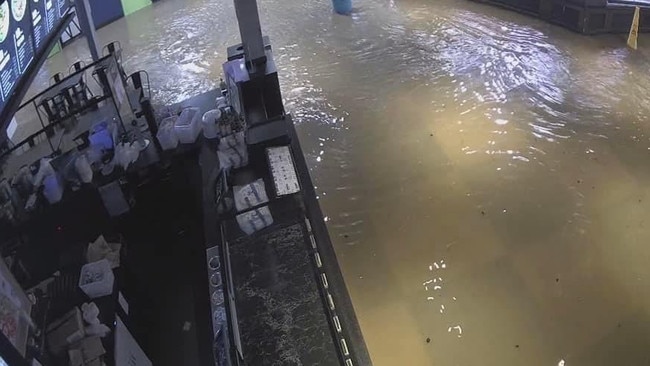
(24, 27)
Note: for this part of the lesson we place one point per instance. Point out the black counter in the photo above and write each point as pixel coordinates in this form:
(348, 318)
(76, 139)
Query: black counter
(283, 311)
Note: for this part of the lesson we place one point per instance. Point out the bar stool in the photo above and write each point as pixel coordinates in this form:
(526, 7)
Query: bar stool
(52, 117)
(137, 79)
(56, 78)
(47, 108)
(76, 67)
(115, 48)
(80, 92)
(102, 80)
(60, 106)
(140, 82)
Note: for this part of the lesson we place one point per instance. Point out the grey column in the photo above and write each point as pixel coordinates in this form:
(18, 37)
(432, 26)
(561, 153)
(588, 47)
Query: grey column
(251, 34)
(87, 26)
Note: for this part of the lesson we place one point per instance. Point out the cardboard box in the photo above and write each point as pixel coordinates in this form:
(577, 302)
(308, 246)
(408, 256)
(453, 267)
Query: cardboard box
(64, 331)
(91, 348)
(76, 357)
(95, 362)
(86, 352)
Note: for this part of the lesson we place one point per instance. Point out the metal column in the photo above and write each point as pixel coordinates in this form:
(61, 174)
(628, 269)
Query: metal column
(250, 30)
(87, 26)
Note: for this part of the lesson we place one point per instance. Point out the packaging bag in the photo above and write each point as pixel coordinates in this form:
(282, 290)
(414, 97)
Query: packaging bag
(255, 220)
(250, 195)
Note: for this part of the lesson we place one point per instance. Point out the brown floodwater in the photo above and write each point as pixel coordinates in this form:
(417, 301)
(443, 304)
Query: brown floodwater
(485, 175)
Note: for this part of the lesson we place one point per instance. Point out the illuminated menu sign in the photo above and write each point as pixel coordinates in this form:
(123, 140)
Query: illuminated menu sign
(24, 27)
(8, 73)
(39, 21)
(22, 34)
(51, 13)
(16, 45)
(62, 6)
(45, 16)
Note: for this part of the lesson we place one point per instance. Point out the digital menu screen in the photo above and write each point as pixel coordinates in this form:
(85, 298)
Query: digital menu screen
(39, 21)
(62, 6)
(51, 13)
(16, 45)
(22, 35)
(24, 27)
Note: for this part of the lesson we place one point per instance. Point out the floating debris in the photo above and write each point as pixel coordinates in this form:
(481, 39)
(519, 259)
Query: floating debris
(456, 328)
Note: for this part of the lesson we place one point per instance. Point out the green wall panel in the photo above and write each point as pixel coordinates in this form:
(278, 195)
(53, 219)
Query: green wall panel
(131, 6)
(56, 49)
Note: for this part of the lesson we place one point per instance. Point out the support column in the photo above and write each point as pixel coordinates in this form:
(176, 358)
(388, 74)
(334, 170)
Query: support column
(87, 26)
(250, 30)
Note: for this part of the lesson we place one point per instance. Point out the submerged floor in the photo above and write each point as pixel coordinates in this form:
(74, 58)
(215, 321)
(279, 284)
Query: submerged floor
(485, 175)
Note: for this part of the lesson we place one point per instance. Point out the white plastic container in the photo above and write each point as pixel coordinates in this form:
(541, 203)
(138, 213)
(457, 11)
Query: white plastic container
(210, 119)
(167, 133)
(188, 125)
(97, 279)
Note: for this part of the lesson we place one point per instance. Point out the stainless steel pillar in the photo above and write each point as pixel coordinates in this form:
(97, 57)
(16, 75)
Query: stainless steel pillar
(251, 35)
(87, 26)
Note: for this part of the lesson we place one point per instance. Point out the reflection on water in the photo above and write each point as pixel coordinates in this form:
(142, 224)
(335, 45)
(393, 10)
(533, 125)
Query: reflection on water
(485, 175)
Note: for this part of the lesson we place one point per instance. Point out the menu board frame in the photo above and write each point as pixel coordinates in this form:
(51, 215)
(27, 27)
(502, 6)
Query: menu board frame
(16, 77)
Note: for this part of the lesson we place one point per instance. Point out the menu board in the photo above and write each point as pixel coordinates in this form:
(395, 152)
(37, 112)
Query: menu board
(51, 13)
(62, 6)
(12, 38)
(24, 28)
(16, 43)
(39, 21)
(22, 34)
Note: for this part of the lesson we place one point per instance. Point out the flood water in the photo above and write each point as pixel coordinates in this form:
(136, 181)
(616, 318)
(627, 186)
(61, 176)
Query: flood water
(485, 176)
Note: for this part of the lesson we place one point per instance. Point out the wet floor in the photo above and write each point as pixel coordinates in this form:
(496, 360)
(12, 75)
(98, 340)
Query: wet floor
(485, 176)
